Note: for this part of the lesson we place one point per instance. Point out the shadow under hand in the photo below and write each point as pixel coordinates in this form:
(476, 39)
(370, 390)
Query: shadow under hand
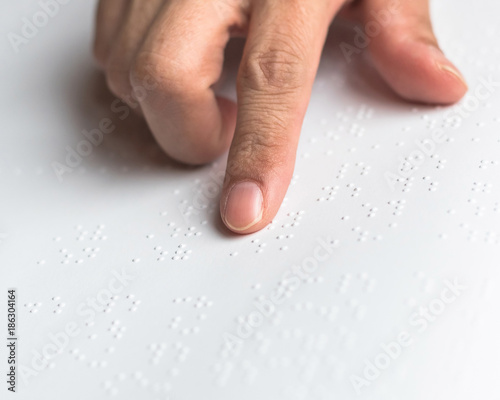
(130, 143)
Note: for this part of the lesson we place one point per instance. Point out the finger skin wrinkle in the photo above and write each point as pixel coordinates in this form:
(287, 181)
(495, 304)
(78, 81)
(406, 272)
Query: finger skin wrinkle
(270, 124)
(279, 68)
(260, 102)
(258, 156)
(263, 139)
(270, 69)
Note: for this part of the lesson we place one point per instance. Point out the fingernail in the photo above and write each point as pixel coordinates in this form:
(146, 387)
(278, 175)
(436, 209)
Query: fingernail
(243, 207)
(454, 72)
(444, 64)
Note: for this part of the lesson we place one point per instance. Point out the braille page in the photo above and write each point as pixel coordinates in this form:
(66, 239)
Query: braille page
(378, 278)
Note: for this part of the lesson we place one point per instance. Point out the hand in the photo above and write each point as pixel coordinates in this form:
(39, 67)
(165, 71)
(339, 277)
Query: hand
(179, 44)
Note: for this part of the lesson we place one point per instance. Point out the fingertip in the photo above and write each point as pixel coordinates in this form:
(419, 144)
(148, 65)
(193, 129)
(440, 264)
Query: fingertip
(450, 84)
(457, 86)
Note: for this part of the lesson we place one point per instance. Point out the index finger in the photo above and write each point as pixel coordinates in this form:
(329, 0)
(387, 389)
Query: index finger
(275, 80)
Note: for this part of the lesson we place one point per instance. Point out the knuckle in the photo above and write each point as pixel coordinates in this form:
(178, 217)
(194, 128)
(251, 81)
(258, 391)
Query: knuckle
(278, 66)
(227, 9)
(144, 66)
(168, 75)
